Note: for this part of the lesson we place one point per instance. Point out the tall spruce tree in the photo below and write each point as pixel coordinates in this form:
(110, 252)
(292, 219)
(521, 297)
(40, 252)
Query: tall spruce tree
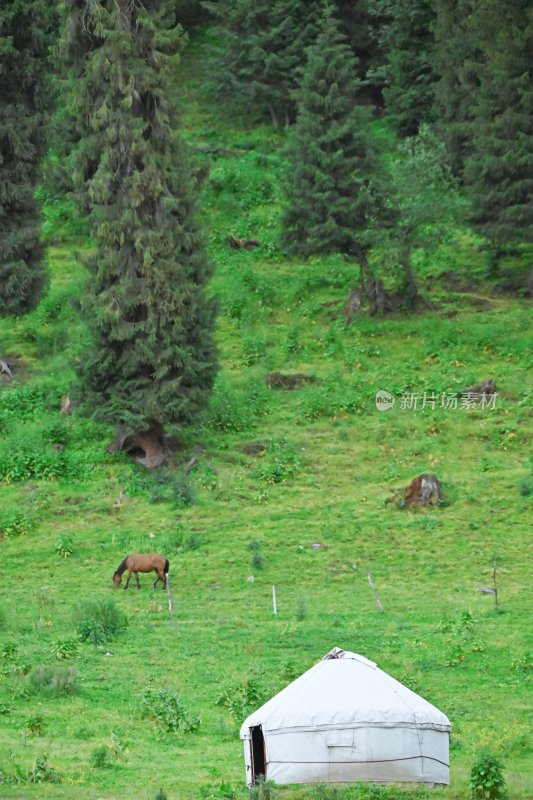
(499, 170)
(331, 163)
(359, 25)
(403, 29)
(153, 357)
(262, 44)
(457, 63)
(27, 30)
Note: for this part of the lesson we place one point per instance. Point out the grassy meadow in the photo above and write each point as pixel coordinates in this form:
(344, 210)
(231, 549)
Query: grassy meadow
(289, 488)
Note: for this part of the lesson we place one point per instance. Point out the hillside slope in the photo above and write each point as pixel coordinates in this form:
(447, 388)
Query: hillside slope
(288, 488)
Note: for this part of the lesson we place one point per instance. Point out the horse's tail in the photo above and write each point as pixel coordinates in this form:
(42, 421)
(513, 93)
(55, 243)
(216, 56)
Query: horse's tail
(167, 565)
(122, 566)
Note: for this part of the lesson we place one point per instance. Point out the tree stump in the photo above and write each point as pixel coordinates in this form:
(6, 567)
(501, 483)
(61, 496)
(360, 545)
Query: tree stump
(294, 381)
(487, 387)
(242, 244)
(147, 448)
(425, 490)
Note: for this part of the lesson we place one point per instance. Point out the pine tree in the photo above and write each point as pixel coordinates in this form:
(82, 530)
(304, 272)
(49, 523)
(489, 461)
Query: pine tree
(404, 32)
(331, 163)
(27, 30)
(359, 25)
(457, 61)
(262, 46)
(152, 361)
(499, 171)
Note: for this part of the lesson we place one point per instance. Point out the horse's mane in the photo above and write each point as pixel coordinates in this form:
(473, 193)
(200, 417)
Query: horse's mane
(121, 567)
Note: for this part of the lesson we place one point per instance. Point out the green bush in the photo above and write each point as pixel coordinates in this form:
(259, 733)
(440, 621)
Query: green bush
(486, 778)
(526, 486)
(101, 757)
(263, 790)
(279, 461)
(162, 485)
(64, 545)
(15, 522)
(98, 620)
(256, 560)
(53, 679)
(236, 409)
(41, 772)
(24, 402)
(24, 456)
(168, 710)
(224, 791)
(240, 698)
(35, 725)
(253, 350)
(63, 649)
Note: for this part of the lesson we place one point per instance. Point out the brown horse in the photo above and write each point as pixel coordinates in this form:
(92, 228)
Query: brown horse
(143, 562)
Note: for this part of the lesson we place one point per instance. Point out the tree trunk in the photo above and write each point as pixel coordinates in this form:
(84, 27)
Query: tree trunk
(273, 116)
(364, 269)
(410, 290)
(529, 284)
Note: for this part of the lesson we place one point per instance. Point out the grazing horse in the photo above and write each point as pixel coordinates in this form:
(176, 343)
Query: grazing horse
(143, 562)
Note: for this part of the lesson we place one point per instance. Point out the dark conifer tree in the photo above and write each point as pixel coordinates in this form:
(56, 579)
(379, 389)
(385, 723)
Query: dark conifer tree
(359, 26)
(331, 163)
(152, 361)
(499, 170)
(404, 33)
(27, 30)
(262, 45)
(457, 63)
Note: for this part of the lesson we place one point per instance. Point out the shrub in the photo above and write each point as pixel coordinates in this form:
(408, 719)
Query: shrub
(263, 790)
(99, 620)
(162, 486)
(101, 757)
(23, 457)
(240, 698)
(526, 486)
(35, 725)
(15, 522)
(224, 791)
(253, 351)
(168, 710)
(25, 402)
(301, 609)
(279, 461)
(486, 778)
(41, 772)
(65, 648)
(256, 560)
(64, 545)
(229, 411)
(53, 679)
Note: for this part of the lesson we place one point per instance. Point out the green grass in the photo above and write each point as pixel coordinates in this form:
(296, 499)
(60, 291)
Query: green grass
(325, 464)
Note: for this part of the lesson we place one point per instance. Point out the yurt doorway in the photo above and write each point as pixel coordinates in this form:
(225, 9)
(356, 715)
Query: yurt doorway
(257, 745)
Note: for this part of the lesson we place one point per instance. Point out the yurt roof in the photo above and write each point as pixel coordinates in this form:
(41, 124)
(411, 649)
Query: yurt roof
(345, 690)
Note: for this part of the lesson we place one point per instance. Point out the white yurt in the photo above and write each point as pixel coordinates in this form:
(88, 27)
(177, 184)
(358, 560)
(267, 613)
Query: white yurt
(345, 720)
